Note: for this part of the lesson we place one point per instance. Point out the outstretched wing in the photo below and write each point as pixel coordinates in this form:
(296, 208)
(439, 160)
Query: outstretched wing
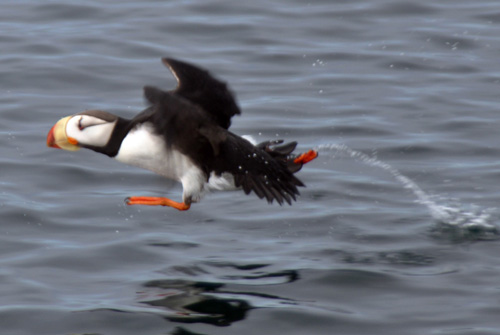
(190, 130)
(256, 170)
(201, 88)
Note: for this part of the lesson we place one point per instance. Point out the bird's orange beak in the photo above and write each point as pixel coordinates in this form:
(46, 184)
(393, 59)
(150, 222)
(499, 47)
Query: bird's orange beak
(57, 138)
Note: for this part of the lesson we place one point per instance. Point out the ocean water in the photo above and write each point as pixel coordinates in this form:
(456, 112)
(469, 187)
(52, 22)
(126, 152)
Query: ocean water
(395, 233)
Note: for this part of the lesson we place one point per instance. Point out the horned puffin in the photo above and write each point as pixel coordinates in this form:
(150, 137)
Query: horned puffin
(183, 135)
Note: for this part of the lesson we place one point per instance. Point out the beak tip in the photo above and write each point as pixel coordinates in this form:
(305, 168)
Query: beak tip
(51, 142)
(57, 137)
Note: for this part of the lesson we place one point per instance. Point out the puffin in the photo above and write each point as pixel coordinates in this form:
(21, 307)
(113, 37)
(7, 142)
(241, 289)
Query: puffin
(183, 135)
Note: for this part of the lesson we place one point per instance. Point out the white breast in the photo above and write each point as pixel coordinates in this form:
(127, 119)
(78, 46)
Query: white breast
(143, 148)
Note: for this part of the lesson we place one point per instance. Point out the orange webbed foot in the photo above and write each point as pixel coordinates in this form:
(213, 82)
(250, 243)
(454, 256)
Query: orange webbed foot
(306, 157)
(157, 201)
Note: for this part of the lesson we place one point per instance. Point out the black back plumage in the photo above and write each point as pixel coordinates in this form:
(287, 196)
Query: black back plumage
(194, 119)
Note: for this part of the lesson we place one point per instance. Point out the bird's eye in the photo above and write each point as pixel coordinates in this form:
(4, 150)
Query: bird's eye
(80, 123)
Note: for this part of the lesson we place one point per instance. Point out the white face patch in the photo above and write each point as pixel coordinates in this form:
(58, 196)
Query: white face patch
(90, 130)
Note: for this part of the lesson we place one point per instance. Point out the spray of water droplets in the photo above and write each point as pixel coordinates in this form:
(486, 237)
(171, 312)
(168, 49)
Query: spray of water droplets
(475, 220)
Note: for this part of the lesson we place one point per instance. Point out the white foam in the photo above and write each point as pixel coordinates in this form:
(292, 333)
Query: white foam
(446, 214)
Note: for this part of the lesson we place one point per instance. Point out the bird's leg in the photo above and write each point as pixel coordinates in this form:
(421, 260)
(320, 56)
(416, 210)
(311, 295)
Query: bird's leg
(157, 201)
(306, 157)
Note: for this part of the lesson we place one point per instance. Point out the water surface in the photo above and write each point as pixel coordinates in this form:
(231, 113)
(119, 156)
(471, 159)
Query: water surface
(413, 86)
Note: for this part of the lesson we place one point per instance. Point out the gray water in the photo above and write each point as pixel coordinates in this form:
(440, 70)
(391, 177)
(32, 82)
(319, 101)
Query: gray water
(396, 232)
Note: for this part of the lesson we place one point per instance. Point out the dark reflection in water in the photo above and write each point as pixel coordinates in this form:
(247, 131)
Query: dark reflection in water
(191, 305)
(207, 302)
(183, 331)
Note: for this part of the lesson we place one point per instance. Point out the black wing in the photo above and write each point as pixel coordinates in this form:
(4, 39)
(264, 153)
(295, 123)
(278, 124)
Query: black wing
(190, 130)
(201, 88)
(256, 170)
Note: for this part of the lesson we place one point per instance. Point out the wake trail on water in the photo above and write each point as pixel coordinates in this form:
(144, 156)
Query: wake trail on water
(478, 220)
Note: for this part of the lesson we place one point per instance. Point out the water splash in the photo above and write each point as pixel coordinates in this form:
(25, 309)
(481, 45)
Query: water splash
(476, 221)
